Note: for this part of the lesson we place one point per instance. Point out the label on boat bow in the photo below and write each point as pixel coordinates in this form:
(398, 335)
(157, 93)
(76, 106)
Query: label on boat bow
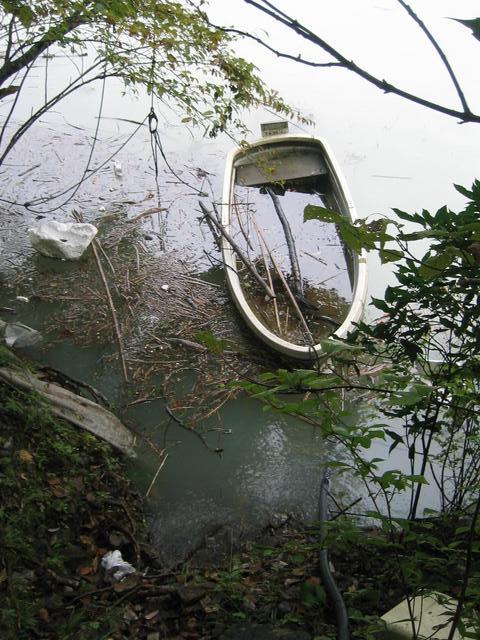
(273, 128)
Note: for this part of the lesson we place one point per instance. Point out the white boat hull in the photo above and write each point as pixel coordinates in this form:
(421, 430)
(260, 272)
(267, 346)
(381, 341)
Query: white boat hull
(359, 288)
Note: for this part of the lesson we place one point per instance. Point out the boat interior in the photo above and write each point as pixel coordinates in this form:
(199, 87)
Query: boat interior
(272, 185)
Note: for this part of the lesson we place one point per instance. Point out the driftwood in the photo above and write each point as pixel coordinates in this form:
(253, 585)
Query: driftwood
(292, 252)
(78, 411)
(209, 215)
(285, 284)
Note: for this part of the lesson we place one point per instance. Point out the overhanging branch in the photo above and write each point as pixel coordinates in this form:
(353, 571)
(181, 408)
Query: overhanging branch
(11, 67)
(276, 14)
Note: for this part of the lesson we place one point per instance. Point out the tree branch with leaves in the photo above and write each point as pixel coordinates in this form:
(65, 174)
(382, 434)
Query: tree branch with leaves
(164, 46)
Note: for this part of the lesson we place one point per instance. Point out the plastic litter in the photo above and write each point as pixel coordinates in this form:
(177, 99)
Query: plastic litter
(64, 240)
(165, 287)
(22, 299)
(117, 168)
(116, 568)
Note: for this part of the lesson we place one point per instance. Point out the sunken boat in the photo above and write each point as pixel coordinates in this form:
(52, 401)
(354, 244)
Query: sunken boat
(290, 274)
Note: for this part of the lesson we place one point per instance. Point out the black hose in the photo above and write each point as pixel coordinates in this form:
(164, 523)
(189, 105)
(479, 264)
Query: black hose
(333, 591)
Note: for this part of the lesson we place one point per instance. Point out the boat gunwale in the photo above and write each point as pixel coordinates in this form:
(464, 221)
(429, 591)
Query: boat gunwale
(359, 290)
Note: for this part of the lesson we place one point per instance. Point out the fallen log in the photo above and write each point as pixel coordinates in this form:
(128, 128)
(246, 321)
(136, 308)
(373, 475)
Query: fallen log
(79, 411)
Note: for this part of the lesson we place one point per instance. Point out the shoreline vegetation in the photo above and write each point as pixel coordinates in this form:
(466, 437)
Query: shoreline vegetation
(67, 501)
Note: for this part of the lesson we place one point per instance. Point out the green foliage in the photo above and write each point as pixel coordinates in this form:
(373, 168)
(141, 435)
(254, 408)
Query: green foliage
(418, 366)
(473, 24)
(168, 47)
(216, 345)
(356, 236)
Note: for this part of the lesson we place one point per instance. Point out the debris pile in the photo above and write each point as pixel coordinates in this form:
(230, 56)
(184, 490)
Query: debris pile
(175, 325)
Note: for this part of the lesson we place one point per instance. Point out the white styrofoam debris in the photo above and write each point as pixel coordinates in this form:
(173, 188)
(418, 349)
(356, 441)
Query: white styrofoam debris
(22, 299)
(165, 287)
(66, 240)
(115, 566)
(117, 168)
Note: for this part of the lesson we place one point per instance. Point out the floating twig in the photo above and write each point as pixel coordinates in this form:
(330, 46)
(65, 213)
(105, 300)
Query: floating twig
(160, 467)
(116, 327)
(285, 283)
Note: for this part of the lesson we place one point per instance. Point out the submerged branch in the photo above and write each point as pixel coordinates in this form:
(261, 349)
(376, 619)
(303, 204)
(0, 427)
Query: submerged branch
(292, 252)
(248, 264)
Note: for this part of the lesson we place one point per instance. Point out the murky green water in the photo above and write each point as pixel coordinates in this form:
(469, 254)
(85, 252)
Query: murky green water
(269, 464)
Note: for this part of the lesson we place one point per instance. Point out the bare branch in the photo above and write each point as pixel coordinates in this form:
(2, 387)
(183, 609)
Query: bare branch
(440, 52)
(279, 54)
(279, 16)
(76, 84)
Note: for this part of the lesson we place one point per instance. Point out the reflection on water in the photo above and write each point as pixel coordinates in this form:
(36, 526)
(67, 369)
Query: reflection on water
(270, 464)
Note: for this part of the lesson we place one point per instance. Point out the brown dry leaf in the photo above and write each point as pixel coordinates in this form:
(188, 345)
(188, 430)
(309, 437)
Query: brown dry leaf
(86, 540)
(25, 456)
(78, 483)
(191, 624)
(53, 481)
(211, 608)
(59, 492)
(290, 581)
(211, 575)
(90, 497)
(151, 615)
(352, 588)
(3, 575)
(127, 583)
(85, 570)
(43, 615)
(299, 571)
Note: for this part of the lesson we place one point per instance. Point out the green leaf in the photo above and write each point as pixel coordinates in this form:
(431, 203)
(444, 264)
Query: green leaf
(473, 24)
(465, 192)
(332, 347)
(411, 396)
(397, 439)
(314, 212)
(433, 265)
(312, 595)
(211, 342)
(390, 255)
